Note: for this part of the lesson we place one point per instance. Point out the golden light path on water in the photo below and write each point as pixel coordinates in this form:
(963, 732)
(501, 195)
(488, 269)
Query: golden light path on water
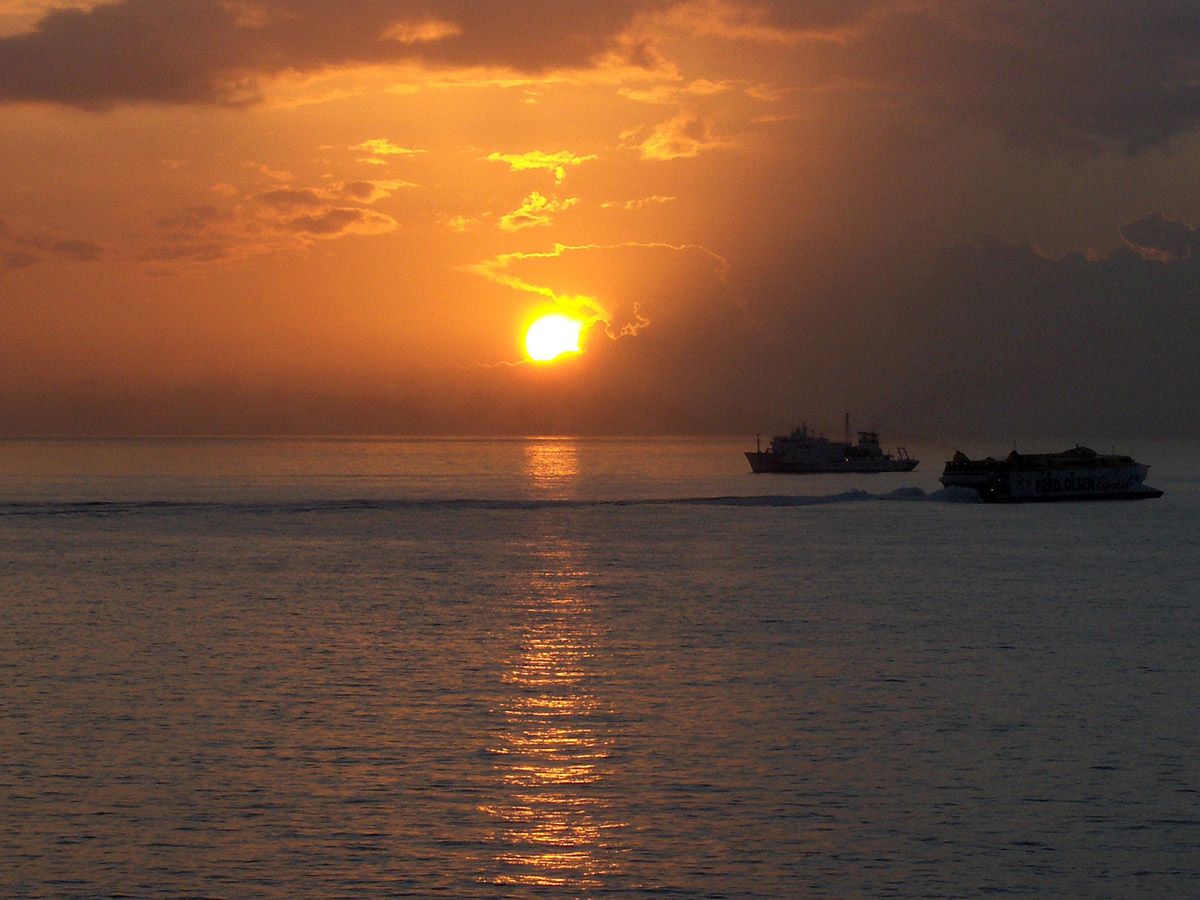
(553, 827)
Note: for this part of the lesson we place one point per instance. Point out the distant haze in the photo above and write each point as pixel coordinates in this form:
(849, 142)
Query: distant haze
(292, 216)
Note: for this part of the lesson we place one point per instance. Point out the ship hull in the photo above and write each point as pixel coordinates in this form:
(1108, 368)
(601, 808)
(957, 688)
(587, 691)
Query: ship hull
(769, 463)
(1142, 494)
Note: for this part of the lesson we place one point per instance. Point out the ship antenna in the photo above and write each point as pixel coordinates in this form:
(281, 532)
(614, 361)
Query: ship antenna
(846, 430)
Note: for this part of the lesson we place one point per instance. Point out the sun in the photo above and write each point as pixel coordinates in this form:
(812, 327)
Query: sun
(550, 336)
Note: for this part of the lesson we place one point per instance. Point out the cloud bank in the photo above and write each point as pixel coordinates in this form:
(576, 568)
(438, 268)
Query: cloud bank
(1063, 76)
(214, 51)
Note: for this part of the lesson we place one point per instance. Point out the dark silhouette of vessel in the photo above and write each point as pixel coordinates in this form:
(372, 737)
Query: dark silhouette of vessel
(1077, 474)
(805, 452)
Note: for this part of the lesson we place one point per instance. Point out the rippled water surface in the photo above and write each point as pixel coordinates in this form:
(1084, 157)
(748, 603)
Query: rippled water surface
(552, 667)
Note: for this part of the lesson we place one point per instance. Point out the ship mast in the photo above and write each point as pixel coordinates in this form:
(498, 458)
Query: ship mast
(846, 430)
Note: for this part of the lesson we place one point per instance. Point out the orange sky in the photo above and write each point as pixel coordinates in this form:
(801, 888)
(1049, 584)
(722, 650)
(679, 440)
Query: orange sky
(296, 216)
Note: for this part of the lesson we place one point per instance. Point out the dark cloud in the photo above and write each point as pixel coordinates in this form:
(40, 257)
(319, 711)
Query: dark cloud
(285, 197)
(263, 222)
(188, 251)
(209, 51)
(992, 341)
(195, 234)
(353, 192)
(359, 190)
(193, 217)
(18, 260)
(1006, 340)
(84, 251)
(1160, 235)
(1073, 75)
(20, 250)
(815, 15)
(989, 338)
(333, 221)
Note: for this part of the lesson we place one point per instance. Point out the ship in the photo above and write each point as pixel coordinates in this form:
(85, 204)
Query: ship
(1077, 474)
(805, 452)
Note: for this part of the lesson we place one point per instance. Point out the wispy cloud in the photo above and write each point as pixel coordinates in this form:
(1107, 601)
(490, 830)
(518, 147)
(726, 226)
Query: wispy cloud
(672, 93)
(622, 316)
(384, 147)
(460, 224)
(535, 209)
(681, 137)
(653, 200)
(534, 160)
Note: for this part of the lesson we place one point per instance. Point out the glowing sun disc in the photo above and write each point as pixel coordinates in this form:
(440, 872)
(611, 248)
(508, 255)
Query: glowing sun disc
(551, 336)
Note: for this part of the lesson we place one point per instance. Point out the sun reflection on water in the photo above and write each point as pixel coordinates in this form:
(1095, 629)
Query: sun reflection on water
(552, 466)
(552, 755)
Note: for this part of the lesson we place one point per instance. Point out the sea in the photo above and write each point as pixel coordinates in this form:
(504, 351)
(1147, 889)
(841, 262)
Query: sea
(386, 667)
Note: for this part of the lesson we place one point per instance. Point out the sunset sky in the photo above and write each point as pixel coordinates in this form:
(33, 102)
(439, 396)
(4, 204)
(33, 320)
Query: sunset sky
(299, 216)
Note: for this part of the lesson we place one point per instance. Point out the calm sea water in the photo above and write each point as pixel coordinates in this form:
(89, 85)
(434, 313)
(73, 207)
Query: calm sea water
(554, 667)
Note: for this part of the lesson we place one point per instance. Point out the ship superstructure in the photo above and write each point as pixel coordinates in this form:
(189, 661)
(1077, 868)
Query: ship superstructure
(804, 452)
(1077, 474)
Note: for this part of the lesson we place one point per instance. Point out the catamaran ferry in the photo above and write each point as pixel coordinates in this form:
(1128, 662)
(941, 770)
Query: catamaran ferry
(1076, 474)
